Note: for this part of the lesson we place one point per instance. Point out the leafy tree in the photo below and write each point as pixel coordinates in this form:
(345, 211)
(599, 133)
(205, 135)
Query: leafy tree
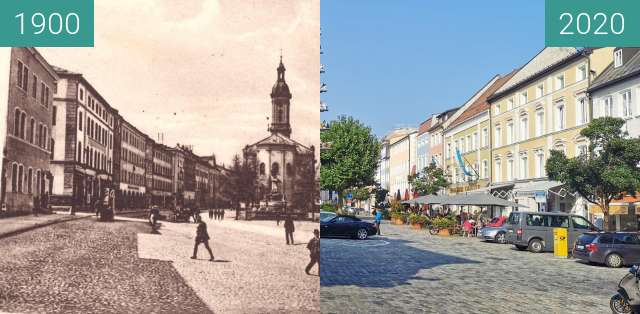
(428, 181)
(241, 183)
(381, 195)
(351, 158)
(608, 169)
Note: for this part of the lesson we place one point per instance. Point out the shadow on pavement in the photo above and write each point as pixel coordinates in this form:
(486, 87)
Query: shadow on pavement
(380, 266)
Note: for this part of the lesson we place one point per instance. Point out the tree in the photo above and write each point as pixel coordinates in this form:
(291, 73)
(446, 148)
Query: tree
(607, 170)
(428, 181)
(240, 185)
(351, 158)
(381, 195)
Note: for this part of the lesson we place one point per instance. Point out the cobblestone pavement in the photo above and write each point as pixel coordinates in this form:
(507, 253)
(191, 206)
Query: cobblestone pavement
(85, 266)
(13, 225)
(254, 272)
(405, 271)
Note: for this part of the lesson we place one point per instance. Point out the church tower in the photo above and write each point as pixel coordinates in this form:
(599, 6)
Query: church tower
(280, 102)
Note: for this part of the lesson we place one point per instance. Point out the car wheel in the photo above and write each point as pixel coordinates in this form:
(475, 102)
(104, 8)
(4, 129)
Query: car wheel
(500, 238)
(613, 260)
(521, 247)
(362, 234)
(536, 246)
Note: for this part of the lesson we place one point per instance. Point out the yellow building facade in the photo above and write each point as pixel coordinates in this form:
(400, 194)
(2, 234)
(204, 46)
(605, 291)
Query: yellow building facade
(542, 107)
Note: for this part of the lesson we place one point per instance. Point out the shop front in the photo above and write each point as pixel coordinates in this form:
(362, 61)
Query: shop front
(624, 214)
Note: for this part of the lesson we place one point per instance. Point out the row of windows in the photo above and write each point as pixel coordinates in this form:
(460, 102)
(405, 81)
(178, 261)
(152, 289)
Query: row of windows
(468, 144)
(163, 171)
(22, 80)
(133, 140)
(162, 185)
(131, 157)
(558, 84)
(162, 156)
(28, 182)
(96, 132)
(132, 178)
(96, 107)
(93, 158)
(617, 105)
(36, 135)
(523, 163)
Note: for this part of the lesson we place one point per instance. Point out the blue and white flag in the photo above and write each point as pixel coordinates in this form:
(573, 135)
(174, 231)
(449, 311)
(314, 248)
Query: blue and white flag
(461, 162)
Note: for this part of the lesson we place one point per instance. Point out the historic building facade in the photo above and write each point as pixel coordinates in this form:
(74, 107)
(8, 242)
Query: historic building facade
(285, 168)
(542, 107)
(129, 165)
(83, 164)
(31, 114)
(162, 180)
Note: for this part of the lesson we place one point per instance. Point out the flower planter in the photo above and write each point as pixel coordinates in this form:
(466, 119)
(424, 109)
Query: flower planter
(416, 226)
(444, 232)
(397, 221)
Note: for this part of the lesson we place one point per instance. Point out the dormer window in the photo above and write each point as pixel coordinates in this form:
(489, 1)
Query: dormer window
(617, 58)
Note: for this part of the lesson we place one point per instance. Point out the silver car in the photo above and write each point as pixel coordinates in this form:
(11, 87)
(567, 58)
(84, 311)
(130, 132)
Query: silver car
(493, 234)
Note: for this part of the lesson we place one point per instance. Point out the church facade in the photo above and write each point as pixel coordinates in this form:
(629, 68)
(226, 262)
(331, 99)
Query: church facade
(285, 168)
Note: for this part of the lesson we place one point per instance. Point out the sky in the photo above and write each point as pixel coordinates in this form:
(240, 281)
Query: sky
(395, 63)
(201, 71)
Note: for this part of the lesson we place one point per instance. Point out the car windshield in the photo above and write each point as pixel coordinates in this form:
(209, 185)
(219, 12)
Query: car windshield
(326, 216)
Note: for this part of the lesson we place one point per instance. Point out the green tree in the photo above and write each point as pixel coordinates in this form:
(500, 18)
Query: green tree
(607, 170)
(381, 195)
(351, 157)
(428, 181)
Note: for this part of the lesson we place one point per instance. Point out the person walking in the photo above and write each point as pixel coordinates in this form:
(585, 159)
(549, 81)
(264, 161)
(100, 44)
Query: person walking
(210, 213)
(289, 228)
(202, 236)
(314, 252)
(378, 219)
(222, 214)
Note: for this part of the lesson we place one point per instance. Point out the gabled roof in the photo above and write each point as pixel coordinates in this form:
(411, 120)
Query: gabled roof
(424, 126)
(278, 139)
(547, 59)
(441, 120)
(481, 104)
(612, 75)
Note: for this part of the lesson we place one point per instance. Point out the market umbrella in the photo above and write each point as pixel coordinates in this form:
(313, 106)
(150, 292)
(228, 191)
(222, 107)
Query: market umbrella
(480, 200)
(406, 194)
(431, 199)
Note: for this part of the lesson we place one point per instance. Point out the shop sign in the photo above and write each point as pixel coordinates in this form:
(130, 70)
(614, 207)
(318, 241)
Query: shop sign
(541, 197)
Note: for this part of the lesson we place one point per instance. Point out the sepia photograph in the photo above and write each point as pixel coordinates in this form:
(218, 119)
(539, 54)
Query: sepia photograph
(173, 167)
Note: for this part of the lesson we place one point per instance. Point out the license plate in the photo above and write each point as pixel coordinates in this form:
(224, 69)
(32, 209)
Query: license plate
(580, 247)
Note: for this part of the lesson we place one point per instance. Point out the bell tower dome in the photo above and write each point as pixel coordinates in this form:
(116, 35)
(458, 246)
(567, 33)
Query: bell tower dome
(280, 102)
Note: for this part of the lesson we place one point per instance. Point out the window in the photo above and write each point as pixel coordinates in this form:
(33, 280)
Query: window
(510, 132)
(498, 171)
(45, 139)
(497, 110)
(53, 115)
(524, 128)
(32, 130)
(25, 78)
(16, 123)
(467, 144)
(608, 106)
(536, 220)
(539, 123)
(626, 103)
(540, 90)
(498, 137)
(540, 171)
(524, 98)
(617, 58)
(30, 181)
(80, 121)
(559, 221)
(23, 126)
(560, 112)
(485, 137)
(581, 72)
(583, 110)
(79, 151)
(560, 82)
(81, 94)
(510, 170)
(510, 104)
(524, 167)
(619, 238)
(474, 142)
(485, 169)
(20, 178)
(581, 150)
(19, 76)
(46, 97)
(14, 178)
(34, 89)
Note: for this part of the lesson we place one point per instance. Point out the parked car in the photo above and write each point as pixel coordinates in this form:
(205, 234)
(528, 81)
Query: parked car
(613, 249)
(493, 234)
(346, 226)
(534, 230)
(326, 215)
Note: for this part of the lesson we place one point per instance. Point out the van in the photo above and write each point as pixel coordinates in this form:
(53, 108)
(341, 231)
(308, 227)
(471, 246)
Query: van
(534, 230)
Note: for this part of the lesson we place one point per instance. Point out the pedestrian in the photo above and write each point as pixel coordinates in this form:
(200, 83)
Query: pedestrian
(222, 214)
(378, 220)
(36, 204)
(289, 228)
(278, 218)
(314, 252)
(202, 236)
(210, 213)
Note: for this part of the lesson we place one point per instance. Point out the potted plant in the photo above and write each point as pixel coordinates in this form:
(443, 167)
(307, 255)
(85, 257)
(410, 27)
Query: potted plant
(417, 220)
(444, 224)
(397, 217)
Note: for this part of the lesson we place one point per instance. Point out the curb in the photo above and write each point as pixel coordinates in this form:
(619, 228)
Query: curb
(40, 225)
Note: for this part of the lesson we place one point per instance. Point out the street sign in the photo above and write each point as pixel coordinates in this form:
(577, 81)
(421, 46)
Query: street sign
(349, 196)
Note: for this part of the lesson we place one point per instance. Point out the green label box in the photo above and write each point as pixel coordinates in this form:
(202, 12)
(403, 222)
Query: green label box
(592, 23)
(46, 23)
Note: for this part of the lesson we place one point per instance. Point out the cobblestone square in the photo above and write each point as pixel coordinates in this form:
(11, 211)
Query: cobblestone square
(407, 271)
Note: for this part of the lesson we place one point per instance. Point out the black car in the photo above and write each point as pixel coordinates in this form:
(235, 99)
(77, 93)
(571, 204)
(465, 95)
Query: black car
(346, 226)
(613, 249)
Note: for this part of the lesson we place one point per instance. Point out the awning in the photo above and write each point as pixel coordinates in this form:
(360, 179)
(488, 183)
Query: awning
(477, 199)
(492, 187)
(614, 209)
(427, 199)
(529, 189)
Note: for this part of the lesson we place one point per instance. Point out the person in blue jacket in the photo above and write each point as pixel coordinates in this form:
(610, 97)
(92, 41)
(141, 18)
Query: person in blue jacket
(378, 220)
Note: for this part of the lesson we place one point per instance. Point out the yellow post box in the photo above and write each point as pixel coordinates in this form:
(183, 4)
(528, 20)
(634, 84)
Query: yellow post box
(560, 242)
